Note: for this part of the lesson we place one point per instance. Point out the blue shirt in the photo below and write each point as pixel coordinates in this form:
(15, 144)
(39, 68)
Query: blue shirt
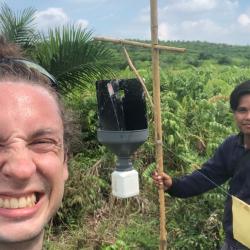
(223, 166)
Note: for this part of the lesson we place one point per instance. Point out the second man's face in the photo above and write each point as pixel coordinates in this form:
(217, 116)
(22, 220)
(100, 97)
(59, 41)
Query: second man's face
(242, 114)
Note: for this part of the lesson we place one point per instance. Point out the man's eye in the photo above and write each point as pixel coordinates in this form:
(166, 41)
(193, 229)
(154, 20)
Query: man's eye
(43, 144)
(241, 110)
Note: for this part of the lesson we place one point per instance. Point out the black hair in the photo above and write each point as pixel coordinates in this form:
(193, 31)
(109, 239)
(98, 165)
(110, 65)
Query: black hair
(240, 90)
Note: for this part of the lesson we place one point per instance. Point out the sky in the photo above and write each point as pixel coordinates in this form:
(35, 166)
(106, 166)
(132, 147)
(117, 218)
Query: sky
(217, 21)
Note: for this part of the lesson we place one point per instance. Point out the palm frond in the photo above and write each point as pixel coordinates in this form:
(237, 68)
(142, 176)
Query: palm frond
(72, 57)
(18, 27)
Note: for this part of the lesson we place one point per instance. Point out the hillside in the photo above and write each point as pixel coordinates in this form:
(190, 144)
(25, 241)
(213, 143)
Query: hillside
(197, 53)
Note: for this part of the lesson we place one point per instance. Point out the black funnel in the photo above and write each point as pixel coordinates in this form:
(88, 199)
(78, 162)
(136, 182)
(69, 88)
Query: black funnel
(122, 118)
(123, 144)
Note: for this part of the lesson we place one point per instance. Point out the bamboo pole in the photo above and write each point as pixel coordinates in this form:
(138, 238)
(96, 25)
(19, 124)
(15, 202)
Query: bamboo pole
(157, 118)
(139, 77)
(139, 44)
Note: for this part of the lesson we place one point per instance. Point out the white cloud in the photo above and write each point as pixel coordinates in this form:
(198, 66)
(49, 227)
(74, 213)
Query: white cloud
(164, 31)
(210, 26)
(144, 15)
(203, 29)
(202, 24)
(204, 20)
(231, 4)
(199, 6)
(192, 5)
(50, 18)
(82, 22)
(244, 20)
(88, 1)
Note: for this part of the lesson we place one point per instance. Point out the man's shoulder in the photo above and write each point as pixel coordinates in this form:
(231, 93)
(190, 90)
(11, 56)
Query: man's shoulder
(231, 141)
(236, 138)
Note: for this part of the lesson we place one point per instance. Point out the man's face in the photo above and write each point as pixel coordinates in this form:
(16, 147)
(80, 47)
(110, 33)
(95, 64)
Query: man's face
(32, 163)
(242, 114)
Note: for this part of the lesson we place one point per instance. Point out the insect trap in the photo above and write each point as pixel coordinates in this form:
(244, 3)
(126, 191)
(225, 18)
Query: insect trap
(122, 129)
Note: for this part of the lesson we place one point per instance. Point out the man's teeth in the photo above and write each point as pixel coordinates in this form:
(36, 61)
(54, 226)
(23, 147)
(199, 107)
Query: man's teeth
(22, 202)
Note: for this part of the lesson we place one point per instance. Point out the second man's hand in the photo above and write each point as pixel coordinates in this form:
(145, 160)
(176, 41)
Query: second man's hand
(162, 181)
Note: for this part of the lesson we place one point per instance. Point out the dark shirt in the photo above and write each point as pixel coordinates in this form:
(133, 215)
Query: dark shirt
(223, 166)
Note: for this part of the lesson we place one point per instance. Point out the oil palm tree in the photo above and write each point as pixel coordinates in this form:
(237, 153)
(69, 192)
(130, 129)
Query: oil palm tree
(70, 54)
(18, 27)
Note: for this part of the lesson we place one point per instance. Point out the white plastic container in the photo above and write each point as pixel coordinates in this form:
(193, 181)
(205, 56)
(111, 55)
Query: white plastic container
(125, 183)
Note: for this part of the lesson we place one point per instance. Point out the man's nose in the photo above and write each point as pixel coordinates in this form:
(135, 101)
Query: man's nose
(247, 115)
(18, 164)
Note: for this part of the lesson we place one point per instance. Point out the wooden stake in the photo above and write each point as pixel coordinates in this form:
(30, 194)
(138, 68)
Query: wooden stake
(139, 44)
(138, 77)
(157, 118)
(157, 103)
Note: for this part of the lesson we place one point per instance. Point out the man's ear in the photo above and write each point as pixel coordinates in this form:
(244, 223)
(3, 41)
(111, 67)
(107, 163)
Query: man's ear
(65, 156)
(65, 166)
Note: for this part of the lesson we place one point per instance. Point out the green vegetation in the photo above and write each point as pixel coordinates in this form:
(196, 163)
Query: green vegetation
(199, 54)
(195, 118)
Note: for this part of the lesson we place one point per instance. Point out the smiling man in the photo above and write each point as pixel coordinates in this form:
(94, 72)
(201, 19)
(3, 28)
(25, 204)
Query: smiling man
(33, 162)
(231, 161)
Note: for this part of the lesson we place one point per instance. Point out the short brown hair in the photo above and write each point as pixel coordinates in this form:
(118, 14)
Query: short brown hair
(14, 67)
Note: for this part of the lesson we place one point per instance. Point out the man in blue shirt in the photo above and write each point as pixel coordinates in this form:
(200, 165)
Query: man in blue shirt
(231, 161)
